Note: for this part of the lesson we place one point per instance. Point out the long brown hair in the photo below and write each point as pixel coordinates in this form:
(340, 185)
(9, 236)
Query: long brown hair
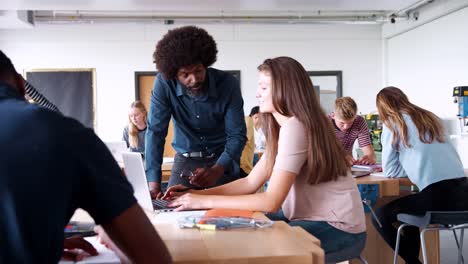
(132, 129)
(293, 95)
(392, 103)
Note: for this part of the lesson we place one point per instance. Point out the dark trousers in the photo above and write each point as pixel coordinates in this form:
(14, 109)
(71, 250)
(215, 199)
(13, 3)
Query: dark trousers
(448, 195)
(185, 166)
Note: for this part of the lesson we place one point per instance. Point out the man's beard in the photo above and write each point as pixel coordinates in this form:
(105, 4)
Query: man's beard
(197, 92)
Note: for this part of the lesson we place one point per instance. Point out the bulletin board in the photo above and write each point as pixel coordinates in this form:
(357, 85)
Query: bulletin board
(73, 91)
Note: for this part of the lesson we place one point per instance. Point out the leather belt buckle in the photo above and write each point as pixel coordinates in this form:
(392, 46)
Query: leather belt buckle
(198, 154)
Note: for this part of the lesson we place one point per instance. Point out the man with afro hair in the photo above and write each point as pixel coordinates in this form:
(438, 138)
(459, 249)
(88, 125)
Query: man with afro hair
(207, 110)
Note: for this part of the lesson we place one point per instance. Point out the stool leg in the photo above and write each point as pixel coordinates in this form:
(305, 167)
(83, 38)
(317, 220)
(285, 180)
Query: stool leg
(423, 245)
(397, 245)
(459, 244)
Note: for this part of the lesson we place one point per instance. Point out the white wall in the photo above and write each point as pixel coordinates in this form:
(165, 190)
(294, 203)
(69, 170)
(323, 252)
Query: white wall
(428, 61)
(118, 50)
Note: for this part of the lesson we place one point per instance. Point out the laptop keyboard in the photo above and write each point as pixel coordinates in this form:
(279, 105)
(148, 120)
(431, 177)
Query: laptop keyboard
(161, 204)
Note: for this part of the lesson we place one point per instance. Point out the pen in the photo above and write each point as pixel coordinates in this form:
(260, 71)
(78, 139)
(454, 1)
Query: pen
(206, 226)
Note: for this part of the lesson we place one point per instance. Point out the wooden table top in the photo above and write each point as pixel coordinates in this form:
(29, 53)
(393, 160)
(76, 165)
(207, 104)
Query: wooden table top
(387, 186)
(280, 243)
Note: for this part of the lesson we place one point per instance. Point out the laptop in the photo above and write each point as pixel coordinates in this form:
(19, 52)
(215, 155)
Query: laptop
(135, 172)
(117, 148)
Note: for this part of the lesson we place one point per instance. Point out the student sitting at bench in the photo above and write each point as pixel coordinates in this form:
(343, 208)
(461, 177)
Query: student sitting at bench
(308, 172)
(414, 145)
(50, 166)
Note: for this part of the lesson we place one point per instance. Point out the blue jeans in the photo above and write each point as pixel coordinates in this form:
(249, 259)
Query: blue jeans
(331, 239)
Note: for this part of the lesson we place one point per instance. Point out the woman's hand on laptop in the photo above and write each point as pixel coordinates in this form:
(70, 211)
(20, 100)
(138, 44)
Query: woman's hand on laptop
(191, 201)
(175, 191)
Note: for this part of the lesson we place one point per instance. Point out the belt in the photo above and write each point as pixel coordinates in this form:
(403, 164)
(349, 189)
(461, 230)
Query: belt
(198, 154)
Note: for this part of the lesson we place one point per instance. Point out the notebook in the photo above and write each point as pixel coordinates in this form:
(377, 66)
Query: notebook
(135, 172)
(373, 167)
(117, 148)
(359, 173)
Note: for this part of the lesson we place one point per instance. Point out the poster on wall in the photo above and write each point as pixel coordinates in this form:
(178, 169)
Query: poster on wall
(71, 90)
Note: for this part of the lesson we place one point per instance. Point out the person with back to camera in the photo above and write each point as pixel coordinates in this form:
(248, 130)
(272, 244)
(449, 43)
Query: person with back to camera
(134, 134)
(46, 175)
(348, 127)
(310, 178)
(206, 107)
(414, 145)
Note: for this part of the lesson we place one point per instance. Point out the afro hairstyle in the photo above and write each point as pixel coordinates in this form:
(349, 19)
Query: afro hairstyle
(184, 46)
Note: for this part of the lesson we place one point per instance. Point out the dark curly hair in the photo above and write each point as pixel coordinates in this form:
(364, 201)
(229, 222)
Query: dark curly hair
(184, 46)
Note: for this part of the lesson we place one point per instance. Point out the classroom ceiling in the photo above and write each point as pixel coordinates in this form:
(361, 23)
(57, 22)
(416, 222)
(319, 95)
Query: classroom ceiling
(266, 11)
(205, 5)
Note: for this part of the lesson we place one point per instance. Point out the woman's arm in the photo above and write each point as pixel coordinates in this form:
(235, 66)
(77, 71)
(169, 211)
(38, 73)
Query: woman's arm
(247, 185)
(269, 201)
(390, 157)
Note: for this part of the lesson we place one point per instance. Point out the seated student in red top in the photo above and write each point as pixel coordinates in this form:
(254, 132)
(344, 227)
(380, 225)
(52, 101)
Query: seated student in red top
(348, 127)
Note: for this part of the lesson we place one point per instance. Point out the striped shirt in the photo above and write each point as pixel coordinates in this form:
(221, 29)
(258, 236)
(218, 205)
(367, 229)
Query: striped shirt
(358, 130)
(38, 98)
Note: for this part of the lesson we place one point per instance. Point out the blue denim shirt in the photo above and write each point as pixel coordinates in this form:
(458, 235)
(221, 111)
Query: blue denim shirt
(213, 122)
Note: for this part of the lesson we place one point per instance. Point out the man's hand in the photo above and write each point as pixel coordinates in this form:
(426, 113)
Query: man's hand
(207, 177)
(76, 248)
(155, 190)
(104, 239)
(366, 160)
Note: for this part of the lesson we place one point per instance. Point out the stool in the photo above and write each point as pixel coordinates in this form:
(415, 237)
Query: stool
(434, 220)
(353, 252)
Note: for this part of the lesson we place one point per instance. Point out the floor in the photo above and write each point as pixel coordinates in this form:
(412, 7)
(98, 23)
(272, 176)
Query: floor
(448, 248)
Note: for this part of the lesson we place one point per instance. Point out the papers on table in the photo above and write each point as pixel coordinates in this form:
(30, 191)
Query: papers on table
(106, 256)
(173, 217)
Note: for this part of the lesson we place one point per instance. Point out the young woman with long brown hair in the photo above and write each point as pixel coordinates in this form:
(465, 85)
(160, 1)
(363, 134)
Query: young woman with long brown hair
(414, 145)
(308, 172)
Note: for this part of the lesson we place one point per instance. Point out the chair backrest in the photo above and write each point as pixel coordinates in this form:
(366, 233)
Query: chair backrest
(448, 217)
